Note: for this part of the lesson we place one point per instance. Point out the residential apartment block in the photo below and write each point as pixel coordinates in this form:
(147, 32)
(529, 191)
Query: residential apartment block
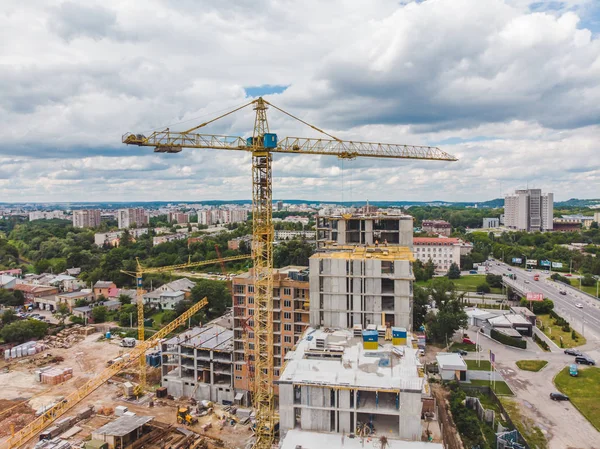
(439, 227)
(369, 229)
(86, 218)
(114, 238)
(179, 217)
(443, 252)
(529, 210)
(167, 238)
(290, 235)
(290, 317)
(214, 216)
(362, 286)
(331, 383)
(132, 217)
(46, 215)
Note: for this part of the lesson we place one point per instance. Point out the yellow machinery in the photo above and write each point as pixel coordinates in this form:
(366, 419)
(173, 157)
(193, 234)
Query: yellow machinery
(138, 274)
(184, 416)
(73, 399)
(262, 145)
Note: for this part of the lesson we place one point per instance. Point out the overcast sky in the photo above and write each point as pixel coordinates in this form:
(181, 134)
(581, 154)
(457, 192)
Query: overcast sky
(512, 88)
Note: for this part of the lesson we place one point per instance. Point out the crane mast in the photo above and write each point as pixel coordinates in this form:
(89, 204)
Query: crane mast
(262, 255)
(262, 145)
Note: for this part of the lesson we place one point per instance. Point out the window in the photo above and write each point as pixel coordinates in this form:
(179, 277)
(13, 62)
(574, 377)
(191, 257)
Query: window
(238, 377)
(238, 367)
(239, 289)
(250, 311)
(287, 327)
(251, 289)
(251, 300)
(287, 315)
(287, 339)
(287, 303)
(287, 291)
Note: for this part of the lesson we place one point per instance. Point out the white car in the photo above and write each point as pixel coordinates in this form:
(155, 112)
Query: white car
(579, 305)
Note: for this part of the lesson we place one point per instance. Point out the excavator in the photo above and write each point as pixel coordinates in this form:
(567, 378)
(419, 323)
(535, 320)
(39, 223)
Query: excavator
(184, 416)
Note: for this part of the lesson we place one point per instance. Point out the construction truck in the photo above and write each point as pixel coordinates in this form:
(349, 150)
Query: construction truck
(184, 416)
(128, 342)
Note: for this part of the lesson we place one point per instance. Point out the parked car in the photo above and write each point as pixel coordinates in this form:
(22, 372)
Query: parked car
(468, 341)
(574, 352)
(509, 269)
(559, 397)
(568, 275)
(579, 305)
(562, 292)
(526, 281)
(573, 371)
(461, 352)
(585, 360)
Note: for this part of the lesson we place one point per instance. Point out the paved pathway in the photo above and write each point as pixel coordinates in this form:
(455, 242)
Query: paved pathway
(561, 422)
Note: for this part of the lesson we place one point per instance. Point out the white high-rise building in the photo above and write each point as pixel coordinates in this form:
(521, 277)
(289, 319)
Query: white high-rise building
(529, 210)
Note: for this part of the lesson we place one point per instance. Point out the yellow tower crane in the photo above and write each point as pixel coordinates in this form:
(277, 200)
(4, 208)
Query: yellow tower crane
(49, 416)
(262, 145)
(138, 275)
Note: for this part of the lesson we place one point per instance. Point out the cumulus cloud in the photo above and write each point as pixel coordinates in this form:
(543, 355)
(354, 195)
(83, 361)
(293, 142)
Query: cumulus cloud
(511, 87)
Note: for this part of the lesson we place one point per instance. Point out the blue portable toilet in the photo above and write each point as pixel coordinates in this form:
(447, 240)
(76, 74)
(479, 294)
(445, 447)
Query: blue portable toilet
(270, 140)
(108, 335)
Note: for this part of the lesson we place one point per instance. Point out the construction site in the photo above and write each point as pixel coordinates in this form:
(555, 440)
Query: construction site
(348, 363)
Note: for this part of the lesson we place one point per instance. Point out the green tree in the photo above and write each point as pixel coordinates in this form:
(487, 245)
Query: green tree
(453, 271)
(450, 317)
(81, 302)
(99, 314)
(588, 280)
(124, 299)
(483, 288)
(292, 252)
(62, 312)
(9, 316)
(217, 293)
(11, 298)
(494, 280)
(420, 302)
(128, 315)
(21, 331)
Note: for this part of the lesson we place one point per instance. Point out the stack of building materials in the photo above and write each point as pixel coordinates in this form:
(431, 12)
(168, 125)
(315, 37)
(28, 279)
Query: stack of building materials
(370, 339)
(120, 410)
(70, 336)
(357, 330)
(24, 350)
(54, 443)
(398, 336)
(55, 376)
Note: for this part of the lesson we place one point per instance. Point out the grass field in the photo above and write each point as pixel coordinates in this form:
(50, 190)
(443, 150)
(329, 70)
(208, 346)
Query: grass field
(526, 426)
(466, 283)
(531, 365)
(583, 391)
(500, 388)
(483, 365)
(463, 346)
(554, 332)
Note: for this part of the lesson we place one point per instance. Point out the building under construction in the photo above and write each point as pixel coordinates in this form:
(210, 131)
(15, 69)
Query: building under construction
(290, 318)
(199, 364)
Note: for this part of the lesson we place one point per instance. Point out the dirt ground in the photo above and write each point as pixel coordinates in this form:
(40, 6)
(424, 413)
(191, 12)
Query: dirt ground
(88, 358)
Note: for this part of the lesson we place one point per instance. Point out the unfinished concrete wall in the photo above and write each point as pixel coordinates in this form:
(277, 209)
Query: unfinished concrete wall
(286, 407)
(318, 420)
(410, 415)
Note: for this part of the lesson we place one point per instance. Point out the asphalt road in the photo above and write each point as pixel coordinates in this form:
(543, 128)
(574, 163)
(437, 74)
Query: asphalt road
(585, 320)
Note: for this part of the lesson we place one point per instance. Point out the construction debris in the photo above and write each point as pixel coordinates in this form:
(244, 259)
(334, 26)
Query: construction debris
(69, 336)
(53, 376)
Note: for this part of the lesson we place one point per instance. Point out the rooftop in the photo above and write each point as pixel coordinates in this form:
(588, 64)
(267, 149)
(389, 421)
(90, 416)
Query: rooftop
(315, 440)
(436, 241)
(509, 320)
(104, 284)
(211, 337)
(451, 360)
(79, 294)
(367, 252)
(123, 425)
(345, 362)
(181, 284)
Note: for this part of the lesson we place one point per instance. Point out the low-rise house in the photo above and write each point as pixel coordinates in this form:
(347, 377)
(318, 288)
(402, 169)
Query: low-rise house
(102, 288)
(85, 312)
(164, 300)
(183, 285)
(70, 299)
(31, 292)
(123, 431)
(7, 282)
(167, 238)
(451, 366)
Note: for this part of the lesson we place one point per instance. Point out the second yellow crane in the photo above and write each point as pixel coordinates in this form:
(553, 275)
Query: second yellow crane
(139, 273)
